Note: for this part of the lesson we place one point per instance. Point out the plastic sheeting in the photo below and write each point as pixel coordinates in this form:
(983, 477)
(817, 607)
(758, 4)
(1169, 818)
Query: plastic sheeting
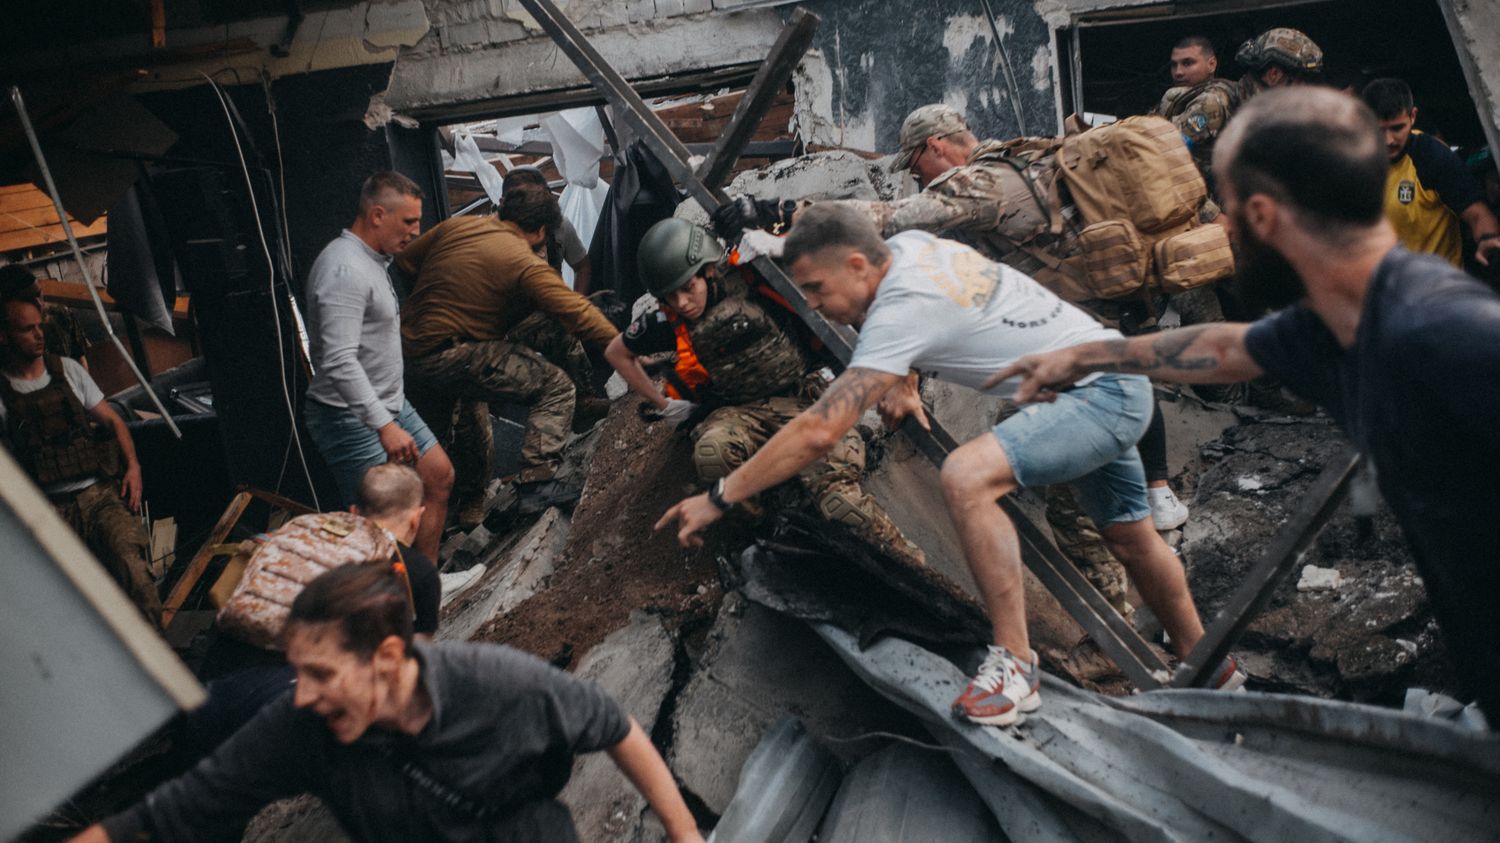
(577, 139)
(468, 159)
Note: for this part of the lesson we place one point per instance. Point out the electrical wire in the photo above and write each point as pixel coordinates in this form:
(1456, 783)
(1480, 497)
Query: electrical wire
(286, 391)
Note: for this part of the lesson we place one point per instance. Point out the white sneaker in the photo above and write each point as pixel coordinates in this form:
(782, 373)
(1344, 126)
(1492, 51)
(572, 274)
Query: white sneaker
(1167, 512)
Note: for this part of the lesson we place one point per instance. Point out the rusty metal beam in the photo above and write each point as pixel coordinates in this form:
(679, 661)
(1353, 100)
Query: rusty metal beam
(1077, 596)
(1291, 541)
(772, 77)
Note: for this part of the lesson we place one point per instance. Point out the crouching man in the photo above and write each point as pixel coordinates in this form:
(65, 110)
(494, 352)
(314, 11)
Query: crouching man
(739, 354)
(406, 741)
(939, 306)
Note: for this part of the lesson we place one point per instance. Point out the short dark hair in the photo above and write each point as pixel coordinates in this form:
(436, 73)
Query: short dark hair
(523, 174)
(387, 490)
(1199, 41)
(1314, 149)
(377, 187)
(1388, 98)
(368, 602)
(828, 225)
(17, 283)
(530, 207)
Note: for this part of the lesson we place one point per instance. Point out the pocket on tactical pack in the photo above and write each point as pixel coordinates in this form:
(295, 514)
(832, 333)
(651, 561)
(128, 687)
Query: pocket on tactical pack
(1193, 258)
(1115, 257)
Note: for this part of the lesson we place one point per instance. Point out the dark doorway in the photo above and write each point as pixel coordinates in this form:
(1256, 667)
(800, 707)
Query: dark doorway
(1124, 61)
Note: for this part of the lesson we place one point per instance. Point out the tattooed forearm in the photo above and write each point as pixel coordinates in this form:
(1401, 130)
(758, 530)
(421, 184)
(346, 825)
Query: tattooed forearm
(850, 394)
(1172, 351)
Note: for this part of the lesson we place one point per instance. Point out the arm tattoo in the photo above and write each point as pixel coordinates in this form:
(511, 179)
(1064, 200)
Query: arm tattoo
(1166, 351)
(850, 394)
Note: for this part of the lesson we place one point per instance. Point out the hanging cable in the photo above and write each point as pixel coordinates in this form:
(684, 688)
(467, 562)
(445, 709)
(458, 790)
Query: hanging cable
(286, 391)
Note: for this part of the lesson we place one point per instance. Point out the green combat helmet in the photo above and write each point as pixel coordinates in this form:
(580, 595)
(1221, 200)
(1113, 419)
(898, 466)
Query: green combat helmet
(672, 252)
(1289, 48)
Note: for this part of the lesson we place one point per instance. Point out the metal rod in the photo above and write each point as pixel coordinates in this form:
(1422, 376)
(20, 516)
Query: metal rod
(772, 77)
(1095, 615)
(1291, 541)
(88, 277)
(1010, 79)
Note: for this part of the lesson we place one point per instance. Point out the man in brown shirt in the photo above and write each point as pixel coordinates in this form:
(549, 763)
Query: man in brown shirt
(489, 320)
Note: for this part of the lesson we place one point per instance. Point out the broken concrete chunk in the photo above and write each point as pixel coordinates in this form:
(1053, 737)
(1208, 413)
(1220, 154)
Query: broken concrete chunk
(635, 666)
(1319, 579)
(515, 567)
(759, 666)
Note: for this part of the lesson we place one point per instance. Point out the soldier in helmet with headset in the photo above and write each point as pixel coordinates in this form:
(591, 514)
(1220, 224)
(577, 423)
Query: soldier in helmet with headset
(742, 367)
(1275, 58)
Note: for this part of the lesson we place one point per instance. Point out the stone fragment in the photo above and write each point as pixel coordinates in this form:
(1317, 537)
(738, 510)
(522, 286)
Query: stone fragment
(1319, 579)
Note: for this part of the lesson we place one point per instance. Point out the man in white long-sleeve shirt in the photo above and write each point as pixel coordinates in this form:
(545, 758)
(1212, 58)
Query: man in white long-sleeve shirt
(356, 409)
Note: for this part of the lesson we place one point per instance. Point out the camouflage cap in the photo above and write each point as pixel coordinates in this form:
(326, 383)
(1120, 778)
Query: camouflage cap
(1290, 48)
(936, 120)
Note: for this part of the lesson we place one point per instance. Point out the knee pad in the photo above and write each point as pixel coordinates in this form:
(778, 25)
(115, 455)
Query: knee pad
(711, 459)
(843, 509)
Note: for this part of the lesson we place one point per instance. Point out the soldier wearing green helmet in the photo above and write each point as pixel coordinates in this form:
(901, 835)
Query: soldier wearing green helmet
(743, 369)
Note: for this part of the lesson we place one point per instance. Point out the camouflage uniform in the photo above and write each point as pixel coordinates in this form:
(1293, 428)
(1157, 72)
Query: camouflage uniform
(55, 441)
(531, 366)
(765, 377)
(1201, 111)
(61, 332)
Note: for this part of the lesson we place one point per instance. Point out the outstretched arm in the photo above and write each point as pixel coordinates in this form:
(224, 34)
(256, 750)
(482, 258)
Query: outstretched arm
(803, 441)
(628, 364)
(1212, 353)
(643, 765)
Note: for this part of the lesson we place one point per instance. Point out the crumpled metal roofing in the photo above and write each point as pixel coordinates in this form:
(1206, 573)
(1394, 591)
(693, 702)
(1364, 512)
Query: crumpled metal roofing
(1193, 765)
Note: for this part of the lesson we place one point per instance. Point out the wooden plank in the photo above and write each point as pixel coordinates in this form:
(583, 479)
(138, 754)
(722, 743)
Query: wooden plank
(75, 294)
(25, 201)
(205, 554)
(21, 220)
(30, 238)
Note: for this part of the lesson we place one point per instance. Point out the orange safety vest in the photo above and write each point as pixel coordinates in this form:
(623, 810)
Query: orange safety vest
(689, 374)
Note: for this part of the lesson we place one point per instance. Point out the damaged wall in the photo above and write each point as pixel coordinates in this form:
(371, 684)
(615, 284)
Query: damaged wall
(876, 61)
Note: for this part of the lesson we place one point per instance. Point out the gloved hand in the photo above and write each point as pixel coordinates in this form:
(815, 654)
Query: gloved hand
(741, 212)
(677, 411)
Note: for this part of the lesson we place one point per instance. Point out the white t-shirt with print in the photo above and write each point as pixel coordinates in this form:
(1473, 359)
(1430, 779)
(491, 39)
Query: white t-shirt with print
(945, 309)
(88, 394)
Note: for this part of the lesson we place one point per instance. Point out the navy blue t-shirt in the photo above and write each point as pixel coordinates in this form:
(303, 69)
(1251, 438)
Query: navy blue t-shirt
(1419, 394)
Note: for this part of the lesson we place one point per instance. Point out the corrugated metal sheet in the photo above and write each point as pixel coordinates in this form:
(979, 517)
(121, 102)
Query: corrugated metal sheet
(785, 788)
(1198, 765)
(907, 794)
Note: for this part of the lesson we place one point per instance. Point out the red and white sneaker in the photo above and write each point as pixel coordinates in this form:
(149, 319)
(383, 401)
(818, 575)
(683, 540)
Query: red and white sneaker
(1229, 677)
(1004, 687)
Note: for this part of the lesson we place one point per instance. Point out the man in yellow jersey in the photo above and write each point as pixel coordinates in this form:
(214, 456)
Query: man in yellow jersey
(1428, 189)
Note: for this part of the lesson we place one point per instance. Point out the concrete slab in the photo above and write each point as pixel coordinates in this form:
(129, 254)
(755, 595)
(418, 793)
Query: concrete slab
(516, 567)
(758, 666)
(634, 665)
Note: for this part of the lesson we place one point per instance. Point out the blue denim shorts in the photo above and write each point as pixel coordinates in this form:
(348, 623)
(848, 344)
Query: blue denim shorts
(350, 447)
(1086, 438)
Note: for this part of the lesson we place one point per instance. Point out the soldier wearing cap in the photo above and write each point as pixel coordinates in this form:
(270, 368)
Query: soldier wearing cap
(1276, 57)
(743, 368)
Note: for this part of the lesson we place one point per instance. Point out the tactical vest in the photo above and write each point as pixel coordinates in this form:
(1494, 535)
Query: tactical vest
(737, 351)
(51, 434)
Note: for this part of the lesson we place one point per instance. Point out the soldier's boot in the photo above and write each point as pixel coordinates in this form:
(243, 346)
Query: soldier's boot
(473, 461)
(1081, 542)
(846, 504)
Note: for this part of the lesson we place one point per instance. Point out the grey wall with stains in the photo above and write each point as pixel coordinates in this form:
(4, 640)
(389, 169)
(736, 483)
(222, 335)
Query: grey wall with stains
(878, 60)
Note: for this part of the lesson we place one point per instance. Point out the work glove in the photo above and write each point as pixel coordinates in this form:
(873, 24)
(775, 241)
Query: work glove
(675, 413)
(732, 218)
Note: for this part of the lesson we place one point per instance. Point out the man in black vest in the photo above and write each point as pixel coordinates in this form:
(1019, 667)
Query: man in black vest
(71, 443)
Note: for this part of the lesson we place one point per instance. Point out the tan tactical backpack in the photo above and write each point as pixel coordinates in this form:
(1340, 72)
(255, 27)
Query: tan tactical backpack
(1138, 192)
(282, 563)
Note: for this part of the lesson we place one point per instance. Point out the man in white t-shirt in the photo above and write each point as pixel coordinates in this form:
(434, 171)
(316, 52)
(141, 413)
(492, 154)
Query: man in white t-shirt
(938, 306)
(59, 428)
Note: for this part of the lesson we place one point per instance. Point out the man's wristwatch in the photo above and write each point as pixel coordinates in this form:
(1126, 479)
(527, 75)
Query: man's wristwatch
(716, 496)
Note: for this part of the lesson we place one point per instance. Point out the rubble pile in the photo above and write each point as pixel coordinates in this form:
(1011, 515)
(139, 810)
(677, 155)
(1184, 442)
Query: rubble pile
(1352, 622)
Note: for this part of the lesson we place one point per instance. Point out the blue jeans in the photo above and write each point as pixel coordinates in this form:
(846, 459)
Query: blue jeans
(350, 447)
(1086, 438)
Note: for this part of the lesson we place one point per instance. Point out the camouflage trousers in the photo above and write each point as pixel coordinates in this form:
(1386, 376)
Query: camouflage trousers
(116, 538)
(731, 435)
(538, 364)
(1080, 541)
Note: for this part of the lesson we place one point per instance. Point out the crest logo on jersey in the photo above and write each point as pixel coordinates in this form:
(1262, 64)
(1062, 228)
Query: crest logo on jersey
(1406, 191)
